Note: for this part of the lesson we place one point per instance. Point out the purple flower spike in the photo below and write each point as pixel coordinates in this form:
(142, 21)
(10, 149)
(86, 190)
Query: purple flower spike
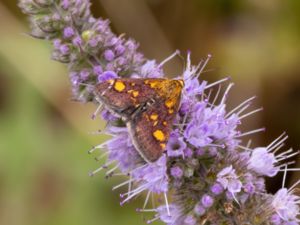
(206, 174)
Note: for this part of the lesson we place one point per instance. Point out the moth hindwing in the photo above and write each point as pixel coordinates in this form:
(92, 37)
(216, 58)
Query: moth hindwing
(148, 106)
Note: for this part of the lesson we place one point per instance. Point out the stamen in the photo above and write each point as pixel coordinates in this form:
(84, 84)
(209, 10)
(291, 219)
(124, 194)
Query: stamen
(245, 148)
(291, 169)
(284, 176)
(96, 147)
(208, 95)
(122, 184)
(240, 105)
(294, 185)
(278, 143)
(133, 193)
(216, 145)
(217, 94)
(130, 184)
(167, 204)
(273, 142)
(153, 200)
(146, 200)
(226, 93)
(251, 113)
(288, 156)
(91, 174)
(284, 153)
(146, 210)
(112, 170)
(177, 52)
(119, 174)
(242, 109)
(286, 164)
(101, 156)
(251, 132)
(279, 147)
(204, 65)
(249, 144)
(152, 220)
(217, 82)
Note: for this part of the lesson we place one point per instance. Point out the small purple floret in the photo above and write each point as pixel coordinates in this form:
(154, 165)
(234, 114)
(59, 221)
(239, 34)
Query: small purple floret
(68, 32)
(217, 189)
(109, 55)
(207, 201)
(176, 172)
(107, 75)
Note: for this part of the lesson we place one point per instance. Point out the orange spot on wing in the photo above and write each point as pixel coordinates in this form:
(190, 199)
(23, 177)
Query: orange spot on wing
(163, 145)
(119, 86)
(159, 135)
(154, 116)
(171, 111)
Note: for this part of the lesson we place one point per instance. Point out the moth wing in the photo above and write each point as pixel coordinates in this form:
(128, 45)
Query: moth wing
(124, 95)
(150, 130)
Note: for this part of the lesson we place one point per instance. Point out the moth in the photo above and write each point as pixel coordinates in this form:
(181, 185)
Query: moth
(147, 106)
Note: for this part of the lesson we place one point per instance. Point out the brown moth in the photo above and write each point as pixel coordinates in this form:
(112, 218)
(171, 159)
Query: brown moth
(148, 106)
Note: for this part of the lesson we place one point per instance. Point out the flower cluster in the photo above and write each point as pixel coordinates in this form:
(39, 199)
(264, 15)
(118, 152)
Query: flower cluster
(207, 175)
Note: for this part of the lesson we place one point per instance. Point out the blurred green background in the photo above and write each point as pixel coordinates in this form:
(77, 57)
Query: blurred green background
(44, 136)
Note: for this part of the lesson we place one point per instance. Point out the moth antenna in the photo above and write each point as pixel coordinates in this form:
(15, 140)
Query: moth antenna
(177, 52)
